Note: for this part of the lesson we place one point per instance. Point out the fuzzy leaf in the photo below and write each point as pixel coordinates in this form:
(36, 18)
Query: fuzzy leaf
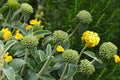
(41, 32)
(48, 50)
(42, 55)
(9, 72)
(47, 77)
(17, 64)
(47, 40)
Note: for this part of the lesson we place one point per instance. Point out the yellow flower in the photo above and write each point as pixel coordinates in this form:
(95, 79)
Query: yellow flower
(35, 22)
(8, 58)
(6, 34)
(90, 38)
(18, 35)
(40, 37)
(116, 58)
(28, 27)
(60, 49)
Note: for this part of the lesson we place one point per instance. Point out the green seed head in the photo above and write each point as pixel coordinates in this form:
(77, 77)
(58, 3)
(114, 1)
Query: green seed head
(70, 56)
(86, 67)
(60, 36)
(107, 50)
(26, 8)
(29, 41)
(13, 4)
(84, 16)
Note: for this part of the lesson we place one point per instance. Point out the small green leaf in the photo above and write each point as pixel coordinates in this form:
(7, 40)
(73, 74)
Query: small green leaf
(47, 77)
(9, 72)
(17, 64)
(17, 77)
(41, 55)
(90, 54)
(71, 70)
(41, 32)
(7, 46)
(47, 40)
(48, 50)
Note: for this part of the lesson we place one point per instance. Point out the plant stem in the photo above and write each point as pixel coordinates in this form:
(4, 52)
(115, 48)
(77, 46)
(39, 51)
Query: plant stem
(93, 61)
(7, 17)
(101, 73)
(64, 70)
(74, 30)
(21, 17)
(25, 58)
(44, 66)
(81, 52)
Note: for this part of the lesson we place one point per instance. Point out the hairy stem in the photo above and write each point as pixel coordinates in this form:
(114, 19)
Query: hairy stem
(25, 58)
(46, 63)
(64, 70)
(74, 30)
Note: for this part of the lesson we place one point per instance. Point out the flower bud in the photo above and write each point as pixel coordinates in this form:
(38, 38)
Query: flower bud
(60, 36)
(13, 4)
(86, 67)
(29, 41)
(70, 56)
(84, 16)
(107, 50)
(26, 8)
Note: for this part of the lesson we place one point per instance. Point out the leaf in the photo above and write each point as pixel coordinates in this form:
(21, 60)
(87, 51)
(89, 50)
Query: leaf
(42, 55)
(48, 50)
(90, 54)
(18, 77)
(71, 70)
(9, 72)
(8, 45)
(47, 77)
(47, 40)
(30, 76)
(1, 42)
(41, 32)
(17, 64)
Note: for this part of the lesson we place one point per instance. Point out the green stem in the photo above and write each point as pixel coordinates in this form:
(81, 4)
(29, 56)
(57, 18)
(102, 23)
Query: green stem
(44, 66)
(93, 60)
(7, 17)
(25, 58)
(21, 17)
(64, 70)
(81, 52)
(74, 30)
(101, 74)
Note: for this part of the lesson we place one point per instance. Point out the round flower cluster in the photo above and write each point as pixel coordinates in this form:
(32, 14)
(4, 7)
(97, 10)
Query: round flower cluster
(86, 67)
(84, 16)
(6, 34)
(29, 41)
(107, 50)
(18, 35)
(90, 38)
(13, 4)
(26, 8)
(60, 36)
(71, 56)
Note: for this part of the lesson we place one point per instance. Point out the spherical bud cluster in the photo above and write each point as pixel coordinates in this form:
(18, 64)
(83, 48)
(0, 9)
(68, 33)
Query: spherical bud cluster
(90, 38)
(29, 41)
(13, 4)
(70, 56)
(107, 50)
(84, 17)
(86, 67)
(60, 36)
(26, 8)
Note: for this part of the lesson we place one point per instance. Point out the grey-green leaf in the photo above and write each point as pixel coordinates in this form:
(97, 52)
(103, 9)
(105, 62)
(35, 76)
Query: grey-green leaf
(48, 50)
(17, 64)
(90, 54)
(9, 72)
(41, 32)
(42, 55)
